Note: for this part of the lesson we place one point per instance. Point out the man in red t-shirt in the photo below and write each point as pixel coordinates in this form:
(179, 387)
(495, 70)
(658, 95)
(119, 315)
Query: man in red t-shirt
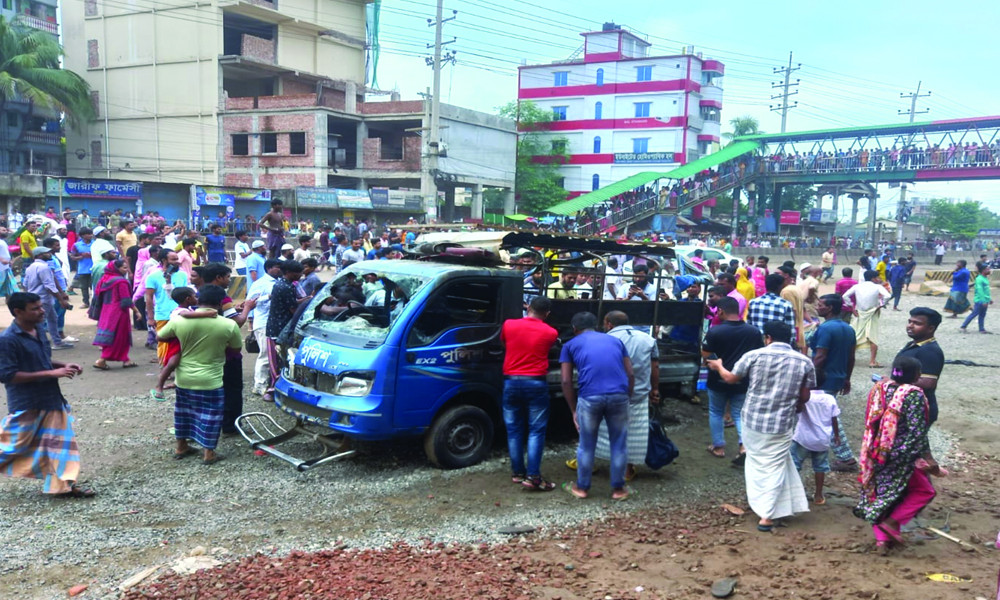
(526, 392)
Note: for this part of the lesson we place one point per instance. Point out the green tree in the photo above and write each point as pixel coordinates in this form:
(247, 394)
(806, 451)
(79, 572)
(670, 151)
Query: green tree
(537, 183)
(797, 197)
(29, 70)
(961, 219)
(743, 125)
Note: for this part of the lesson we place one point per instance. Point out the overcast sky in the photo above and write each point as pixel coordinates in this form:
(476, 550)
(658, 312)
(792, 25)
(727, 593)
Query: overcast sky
(856, 56)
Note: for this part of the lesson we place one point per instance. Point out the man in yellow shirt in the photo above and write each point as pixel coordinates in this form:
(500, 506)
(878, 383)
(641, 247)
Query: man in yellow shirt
(27, 240)
(126, 238)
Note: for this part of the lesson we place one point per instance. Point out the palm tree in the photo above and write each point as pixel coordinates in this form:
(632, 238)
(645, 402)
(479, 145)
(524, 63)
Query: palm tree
(30, 71)
(743, 125)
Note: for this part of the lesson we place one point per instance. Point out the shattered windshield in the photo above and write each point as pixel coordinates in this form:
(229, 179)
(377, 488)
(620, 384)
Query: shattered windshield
(358, 311)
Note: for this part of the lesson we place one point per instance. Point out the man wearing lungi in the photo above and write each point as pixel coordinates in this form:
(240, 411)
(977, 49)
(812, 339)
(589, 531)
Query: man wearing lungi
(200, 401)
(780, 380)
(36, 436)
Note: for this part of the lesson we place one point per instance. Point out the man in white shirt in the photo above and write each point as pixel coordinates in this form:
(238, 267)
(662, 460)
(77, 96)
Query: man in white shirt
(868, 298)
(612, 280)
(353, 255)
(260, 291)
(939, 253)
(242, 250)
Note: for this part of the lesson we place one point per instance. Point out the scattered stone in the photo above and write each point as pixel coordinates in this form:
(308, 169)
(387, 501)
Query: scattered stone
(724, 588)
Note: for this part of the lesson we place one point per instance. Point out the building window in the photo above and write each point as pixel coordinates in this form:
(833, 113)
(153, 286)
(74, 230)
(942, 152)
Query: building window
(710, 113)
(13, 119)
(559, 113)
(241, 144)
(559, 146)
(644, 73)
(595, 182)
(297, 142)
(269, 143)
(640, 145)
(597, 110)
(642, 109)
(600, 77)
(560, 78)
(597, 144)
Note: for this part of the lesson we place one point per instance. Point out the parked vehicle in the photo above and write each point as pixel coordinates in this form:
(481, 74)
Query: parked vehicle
(425, 357)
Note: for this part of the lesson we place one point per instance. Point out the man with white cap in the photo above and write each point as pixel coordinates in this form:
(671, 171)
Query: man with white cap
(287, 252)
(255, 261)
(38, 279)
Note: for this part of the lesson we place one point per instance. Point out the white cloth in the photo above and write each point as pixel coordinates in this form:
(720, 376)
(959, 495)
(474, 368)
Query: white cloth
(774, 488)
(301, 254)
(261, 367)
(99, 247)
(637, 432)
(241, 248)
(261, 291)
(866, 295)
(815, 426)
(611, 277)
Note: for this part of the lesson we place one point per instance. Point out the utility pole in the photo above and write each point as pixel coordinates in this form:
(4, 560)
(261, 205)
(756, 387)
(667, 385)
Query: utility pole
(785, 94)
(434, 143)
(902, 209)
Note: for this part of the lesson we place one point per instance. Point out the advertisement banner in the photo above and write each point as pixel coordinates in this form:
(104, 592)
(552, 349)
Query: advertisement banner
(354, 199)
(790, 217)
(821, 215)
(223, 196)
(85, 188)
(316, 197)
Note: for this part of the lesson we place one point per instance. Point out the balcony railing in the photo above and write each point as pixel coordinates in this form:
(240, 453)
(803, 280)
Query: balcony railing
(39, 24)
(41, 137)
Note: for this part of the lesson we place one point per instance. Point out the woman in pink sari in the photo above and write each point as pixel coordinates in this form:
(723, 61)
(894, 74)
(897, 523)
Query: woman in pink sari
(113, 300)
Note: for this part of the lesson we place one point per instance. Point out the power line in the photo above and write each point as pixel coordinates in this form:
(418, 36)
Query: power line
(785, 94)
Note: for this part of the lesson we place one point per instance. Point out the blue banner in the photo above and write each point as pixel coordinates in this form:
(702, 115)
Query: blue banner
(90, 188)
(220, 196)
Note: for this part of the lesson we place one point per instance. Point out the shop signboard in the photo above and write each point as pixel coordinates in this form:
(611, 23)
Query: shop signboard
(225, 196)
(94, 188)
(629, 158)
(790, 217)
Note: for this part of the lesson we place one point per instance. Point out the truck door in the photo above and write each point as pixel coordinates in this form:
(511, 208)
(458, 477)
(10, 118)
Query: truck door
(453, 343)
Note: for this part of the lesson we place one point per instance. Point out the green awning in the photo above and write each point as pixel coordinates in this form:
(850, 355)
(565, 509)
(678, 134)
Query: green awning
(570, 207)
(712, 160)
(517, 217)
(731, 151)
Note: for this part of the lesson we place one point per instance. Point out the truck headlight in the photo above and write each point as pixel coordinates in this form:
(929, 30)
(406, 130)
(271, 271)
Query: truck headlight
(291, 363)
(355, 383)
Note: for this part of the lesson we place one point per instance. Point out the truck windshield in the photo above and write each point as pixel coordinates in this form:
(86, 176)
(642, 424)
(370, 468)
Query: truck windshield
(359, 312)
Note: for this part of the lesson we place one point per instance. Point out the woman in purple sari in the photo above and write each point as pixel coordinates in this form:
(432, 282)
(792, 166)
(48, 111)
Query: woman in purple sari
(113, 302)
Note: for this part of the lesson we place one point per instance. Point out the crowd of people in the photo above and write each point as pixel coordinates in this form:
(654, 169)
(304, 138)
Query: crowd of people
(932, 156)
(777, 353)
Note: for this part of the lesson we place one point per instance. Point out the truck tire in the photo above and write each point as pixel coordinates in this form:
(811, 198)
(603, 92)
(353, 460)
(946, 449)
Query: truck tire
(460, 437)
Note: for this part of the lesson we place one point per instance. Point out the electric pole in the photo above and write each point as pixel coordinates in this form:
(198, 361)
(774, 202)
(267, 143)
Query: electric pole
(902, 208)
(785, 94)
(434, 143)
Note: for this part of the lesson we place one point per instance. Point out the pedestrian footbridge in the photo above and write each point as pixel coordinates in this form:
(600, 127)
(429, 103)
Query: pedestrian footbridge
(855, 158)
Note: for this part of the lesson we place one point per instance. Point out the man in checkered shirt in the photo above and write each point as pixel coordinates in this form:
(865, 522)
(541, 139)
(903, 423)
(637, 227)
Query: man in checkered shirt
(780, 381)
(771, 306)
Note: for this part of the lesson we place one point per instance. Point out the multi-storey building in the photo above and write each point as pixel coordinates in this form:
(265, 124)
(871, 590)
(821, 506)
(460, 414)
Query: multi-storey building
(30, 135)
(164, 74)
(623, 111)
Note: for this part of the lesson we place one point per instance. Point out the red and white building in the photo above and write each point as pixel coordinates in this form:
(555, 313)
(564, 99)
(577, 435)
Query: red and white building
(623, 111)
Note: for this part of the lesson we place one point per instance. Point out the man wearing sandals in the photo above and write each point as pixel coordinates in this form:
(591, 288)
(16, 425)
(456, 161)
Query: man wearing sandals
(780, 383)
(527, 343)
(606, 381)
(36, 437)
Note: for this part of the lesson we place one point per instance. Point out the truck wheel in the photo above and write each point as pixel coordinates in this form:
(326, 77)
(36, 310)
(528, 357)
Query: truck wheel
(460, 437)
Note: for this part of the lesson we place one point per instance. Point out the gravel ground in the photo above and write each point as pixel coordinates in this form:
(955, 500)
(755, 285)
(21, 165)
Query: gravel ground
(152, 509)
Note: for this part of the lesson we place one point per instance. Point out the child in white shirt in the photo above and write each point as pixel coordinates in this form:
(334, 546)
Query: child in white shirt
(817, 425)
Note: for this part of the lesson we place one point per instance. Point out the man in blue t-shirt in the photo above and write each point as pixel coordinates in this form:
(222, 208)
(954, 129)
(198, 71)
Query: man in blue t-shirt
(897, 279)
(255, 261)
(605, 383)
(80, 252)
(833, 347)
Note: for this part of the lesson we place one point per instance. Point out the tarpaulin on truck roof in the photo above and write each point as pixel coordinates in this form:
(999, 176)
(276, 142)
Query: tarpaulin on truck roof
(527, 239)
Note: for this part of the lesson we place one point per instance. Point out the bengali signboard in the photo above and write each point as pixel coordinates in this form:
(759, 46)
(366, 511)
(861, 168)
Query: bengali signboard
(822, 215)
(790, 217)
(989, 233)
(91, 188)
(225, 196)
(315, 197)
(401, 200)
(628, 158)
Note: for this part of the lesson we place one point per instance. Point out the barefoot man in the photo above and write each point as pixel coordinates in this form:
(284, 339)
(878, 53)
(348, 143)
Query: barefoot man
(273, 223)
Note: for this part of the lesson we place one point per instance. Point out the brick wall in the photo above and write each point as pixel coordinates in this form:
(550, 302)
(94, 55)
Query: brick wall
(239, 103)
(258, 48)
(291, 85)
(386, 108)
(238, 179)
(286, 101)
(279, 181)
(411, 155)
(336, 99)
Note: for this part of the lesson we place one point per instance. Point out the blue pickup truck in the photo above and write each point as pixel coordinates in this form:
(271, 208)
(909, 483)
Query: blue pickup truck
(422, 354)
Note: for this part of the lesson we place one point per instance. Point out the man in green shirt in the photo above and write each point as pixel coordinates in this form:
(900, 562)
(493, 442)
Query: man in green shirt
(200, 399)
(981, 298)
